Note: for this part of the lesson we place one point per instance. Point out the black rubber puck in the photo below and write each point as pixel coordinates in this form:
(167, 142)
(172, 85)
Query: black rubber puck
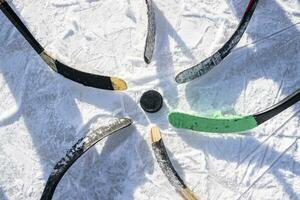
(151, 101)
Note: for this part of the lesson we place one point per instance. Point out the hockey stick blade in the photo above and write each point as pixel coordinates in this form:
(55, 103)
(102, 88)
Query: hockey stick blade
(231, 124)
(87, 79)
(212, 61)
(150, 40)
(167, 167)
(78, 150)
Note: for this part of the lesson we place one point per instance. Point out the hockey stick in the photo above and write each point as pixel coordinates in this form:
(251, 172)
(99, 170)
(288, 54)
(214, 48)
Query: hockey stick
(167, 167)
(78, 150)
(233, 123)
(150, 40)
(87, 79)
(212, 61)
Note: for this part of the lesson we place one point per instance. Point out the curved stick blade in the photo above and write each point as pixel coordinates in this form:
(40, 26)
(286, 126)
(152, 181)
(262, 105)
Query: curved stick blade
(167, 167)
(212, 61)
(232, 124)
(87, 79)
(150, 40)
(78, 150)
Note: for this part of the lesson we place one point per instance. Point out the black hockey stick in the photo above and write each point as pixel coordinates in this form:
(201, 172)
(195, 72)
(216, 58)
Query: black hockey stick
(150, 41)
(78, 150)
(87, 79)
(212, 61)
(167, 167)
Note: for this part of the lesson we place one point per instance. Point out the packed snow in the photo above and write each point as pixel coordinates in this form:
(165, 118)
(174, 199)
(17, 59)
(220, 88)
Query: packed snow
(42, 114)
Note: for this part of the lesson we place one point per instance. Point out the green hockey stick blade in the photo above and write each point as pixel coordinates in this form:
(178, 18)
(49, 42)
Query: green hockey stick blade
(233, 124)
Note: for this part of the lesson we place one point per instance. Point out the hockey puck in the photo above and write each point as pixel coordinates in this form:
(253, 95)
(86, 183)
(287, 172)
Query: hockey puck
(151, 101)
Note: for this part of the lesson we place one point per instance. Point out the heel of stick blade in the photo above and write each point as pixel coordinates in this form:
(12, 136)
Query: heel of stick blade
(48, 59)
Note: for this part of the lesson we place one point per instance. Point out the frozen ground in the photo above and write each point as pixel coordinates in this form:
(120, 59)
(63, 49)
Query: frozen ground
(42, 114)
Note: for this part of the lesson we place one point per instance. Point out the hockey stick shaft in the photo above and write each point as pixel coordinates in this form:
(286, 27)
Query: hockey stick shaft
(236, 37)
(277, 108)
(16, 21)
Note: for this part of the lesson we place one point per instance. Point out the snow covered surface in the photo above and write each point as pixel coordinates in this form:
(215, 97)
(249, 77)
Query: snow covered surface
(42, 114)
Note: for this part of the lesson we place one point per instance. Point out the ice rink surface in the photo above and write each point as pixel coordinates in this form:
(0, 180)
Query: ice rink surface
(42, 114)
